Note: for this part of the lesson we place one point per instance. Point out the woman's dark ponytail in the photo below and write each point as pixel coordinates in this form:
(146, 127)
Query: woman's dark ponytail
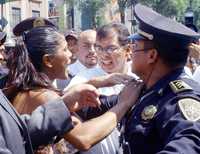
(25, 60)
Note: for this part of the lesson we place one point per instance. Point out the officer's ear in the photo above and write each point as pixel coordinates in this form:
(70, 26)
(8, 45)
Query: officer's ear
(47, 60)
(152, 56)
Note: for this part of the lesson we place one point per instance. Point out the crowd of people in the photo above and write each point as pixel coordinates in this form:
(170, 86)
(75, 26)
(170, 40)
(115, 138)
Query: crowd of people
(101, 91)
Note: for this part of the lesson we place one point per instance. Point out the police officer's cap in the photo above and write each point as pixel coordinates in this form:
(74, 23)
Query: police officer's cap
(30, 23)
(162, 30)
(71, 34)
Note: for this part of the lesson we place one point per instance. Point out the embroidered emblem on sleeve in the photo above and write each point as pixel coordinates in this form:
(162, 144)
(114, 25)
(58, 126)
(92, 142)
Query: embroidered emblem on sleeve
(179, 85)
(149, 112)
(190, 108)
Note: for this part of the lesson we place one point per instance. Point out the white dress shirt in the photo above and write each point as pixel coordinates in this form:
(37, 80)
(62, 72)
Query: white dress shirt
(110, 144)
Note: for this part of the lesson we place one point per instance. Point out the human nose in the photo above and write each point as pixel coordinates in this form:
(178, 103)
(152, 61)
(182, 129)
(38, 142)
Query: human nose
(92, 49)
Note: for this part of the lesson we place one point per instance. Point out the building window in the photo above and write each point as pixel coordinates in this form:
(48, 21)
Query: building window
(52, 10)
(35, 13)
(16, 16)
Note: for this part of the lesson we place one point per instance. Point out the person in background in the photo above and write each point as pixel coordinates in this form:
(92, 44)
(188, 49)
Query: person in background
(72, 40)
(86, 55)
(193, 58)
(195, 49)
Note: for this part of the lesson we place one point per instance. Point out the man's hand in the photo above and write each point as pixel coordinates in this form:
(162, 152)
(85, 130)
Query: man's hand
(194, 50)
(81, 95)
(130, 93)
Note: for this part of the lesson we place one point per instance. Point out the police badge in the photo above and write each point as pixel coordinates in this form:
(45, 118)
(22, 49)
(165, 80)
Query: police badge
(149, 112)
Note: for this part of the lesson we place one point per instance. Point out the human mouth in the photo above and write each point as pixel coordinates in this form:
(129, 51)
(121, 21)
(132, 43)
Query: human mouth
(106, 62)
(92, 57)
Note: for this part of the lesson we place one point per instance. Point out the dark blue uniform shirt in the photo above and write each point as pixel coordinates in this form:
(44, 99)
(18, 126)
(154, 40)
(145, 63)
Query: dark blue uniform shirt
(157, 124)
(164, 129)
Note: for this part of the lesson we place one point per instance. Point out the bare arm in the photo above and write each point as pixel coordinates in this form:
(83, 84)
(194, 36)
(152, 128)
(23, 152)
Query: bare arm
(110, 80)
(81, 95)
(86, 134)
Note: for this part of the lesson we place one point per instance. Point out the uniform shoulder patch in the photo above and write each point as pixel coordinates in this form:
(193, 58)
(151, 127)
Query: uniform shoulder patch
(190, 108)
(179, 85)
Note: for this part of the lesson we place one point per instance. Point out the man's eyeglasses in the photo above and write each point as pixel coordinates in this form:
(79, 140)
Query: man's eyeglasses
(139, 50)
(133, 49)
(109, 49)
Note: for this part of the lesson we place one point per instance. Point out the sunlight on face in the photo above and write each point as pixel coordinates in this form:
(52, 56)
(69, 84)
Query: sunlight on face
(115, 60)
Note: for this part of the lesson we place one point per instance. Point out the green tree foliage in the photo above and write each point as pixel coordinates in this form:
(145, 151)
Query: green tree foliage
(169, 8)
(71, 2)
(95, 9)
(195, 7)
(5, 1)
(174, 8)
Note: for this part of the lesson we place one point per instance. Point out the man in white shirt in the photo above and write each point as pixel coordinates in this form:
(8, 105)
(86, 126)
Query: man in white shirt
(86, 55)
(113, 52)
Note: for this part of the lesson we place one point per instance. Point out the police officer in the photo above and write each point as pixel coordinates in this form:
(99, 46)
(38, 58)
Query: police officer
(165, 118)
(72, 39)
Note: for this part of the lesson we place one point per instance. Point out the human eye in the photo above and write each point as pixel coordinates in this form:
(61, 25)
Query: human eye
(98, 48)
(111, 49)
(86, 45)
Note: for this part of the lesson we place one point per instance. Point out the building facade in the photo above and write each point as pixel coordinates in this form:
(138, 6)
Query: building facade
(14, 11)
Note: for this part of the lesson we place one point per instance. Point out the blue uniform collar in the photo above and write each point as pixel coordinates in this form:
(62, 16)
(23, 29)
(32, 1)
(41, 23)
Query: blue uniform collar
(162, 83)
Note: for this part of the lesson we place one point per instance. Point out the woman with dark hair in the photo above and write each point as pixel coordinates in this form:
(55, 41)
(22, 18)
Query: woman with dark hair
(36, 62)
(33, 66)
